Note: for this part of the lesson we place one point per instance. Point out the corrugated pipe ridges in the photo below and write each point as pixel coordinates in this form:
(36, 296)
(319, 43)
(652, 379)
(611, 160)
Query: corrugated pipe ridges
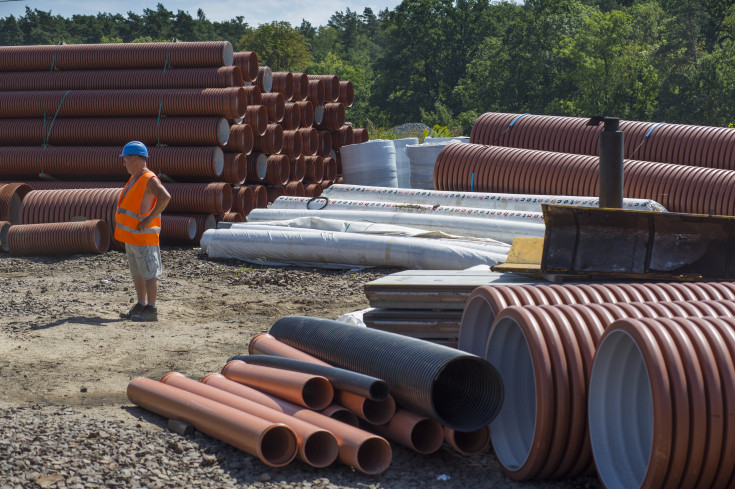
(331, 86)
(291, 116)
(271, 142)
(46, 206)
(275, 444)
(312, 190)
(310, 140)
(342, 137)
(243, 199)
(485, 302)
(552, 350)
(326, 183)
(275, 105)
(230, 217)
(374, 412)
(59, 238)
(307, 390)
(116, 56)
(300, 86)
(325, 143)
(104, 161)
(461, 391)
(298, 169)
(178, 228)
(291, 143)
(253, 95)
(283, 83)
(314, 171)
(235, 169)
(360, 135)
(241, 139)
(207, 198)
(419, 433)
(173, 131)
(295, 189)
(316, 93)
(275, 191)
(679, 188)
(256, 116)
(11, 199)
(307, 113)
(248, 63)
(222, 77)
(175, 102)
(317, 446)
(330, 170)
(278, 170)
(44, 185)
(257, 167)
(660, 403)
(468, 442)
(334, 116)
(204, 222)
(264, 79)
(261, 196)
(346, 93)
(4, 228)
(366, 452)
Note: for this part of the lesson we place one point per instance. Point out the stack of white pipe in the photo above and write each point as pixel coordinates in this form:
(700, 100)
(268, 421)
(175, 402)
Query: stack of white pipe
(403, 164)
(370, 163)
(423, 159)
(461, 139)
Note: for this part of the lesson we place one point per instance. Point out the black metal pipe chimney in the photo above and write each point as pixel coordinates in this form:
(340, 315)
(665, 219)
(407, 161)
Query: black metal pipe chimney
(611, 162)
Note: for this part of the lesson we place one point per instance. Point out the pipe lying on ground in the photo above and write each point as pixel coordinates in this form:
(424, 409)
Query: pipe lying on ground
(468, 442)
(342, 414)
(419, 433)
(273, 443)
(4, 227)
(374, 412)
(266, 344)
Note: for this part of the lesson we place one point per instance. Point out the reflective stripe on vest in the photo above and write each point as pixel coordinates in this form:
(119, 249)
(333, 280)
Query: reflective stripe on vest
(128, 214)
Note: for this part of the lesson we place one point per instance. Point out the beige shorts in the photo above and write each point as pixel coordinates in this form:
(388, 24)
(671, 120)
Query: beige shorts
(144, 261)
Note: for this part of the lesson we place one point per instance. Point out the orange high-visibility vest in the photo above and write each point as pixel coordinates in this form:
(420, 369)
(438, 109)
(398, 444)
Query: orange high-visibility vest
(128, 214)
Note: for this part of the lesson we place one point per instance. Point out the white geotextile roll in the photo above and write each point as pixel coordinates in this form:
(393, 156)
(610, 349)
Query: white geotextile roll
(475, 227)
(423, 158)
(461, 139)
(518, 202)
(370, 163)
(403, 164)
(319, 203)
(293, 247)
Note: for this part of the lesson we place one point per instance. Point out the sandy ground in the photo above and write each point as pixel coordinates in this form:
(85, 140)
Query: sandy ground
(63, 346)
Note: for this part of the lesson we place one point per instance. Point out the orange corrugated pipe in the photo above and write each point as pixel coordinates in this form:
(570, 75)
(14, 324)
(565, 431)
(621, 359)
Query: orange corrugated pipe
(346, 93)
(248, 63)
(278, 170)
(275, 444)
(298, 169)
(368, 453)
(59, 238)
(300, 86)
(271, 142)
(11, 200)
(419, 433)
(260, 194)
(292, 143)
(257, 117)
(317, 446)
(241, 139)
(275, 104)
(331, 86)
(307, 113)
(283, 83)
(310, 140)
(292, 116)
(275, 191)
(312, 391)
(316, 93)
(253, 95)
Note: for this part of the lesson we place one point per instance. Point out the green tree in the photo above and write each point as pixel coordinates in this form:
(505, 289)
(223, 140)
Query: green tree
(279, 46)
(10, 33)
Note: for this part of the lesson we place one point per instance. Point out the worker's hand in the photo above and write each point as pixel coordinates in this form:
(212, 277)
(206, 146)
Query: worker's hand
(144, 223)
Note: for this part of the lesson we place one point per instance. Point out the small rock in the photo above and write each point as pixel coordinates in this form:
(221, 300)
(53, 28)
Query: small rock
(264, 477)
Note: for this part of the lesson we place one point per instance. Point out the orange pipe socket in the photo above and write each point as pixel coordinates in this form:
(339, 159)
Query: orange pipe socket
(274, 444)
(317, 446)
(467, 442)
(341, 414)
(266, 344)
(419, 433)
(368, 453)
(311, 391)
(375, 412)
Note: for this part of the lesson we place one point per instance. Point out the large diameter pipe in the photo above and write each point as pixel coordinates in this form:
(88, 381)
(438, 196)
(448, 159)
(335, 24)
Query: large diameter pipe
(368, 453)
(317, 446)
(341, 379)
(459, 390)
(374, 412)
(419, 433)
(275, 444)
(311, 391)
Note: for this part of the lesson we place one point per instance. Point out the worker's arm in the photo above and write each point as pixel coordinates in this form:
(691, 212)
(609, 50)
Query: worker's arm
(162, 199)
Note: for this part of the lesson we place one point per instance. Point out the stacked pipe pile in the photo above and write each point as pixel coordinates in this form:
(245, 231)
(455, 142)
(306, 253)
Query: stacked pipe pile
(279, 402)
(566, 350)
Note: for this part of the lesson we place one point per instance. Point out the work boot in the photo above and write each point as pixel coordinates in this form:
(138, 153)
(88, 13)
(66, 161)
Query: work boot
(138, 307)
(148, 313)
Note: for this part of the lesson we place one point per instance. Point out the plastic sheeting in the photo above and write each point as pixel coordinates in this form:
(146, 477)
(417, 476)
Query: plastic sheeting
(370, 163)
(403, 164)
(518, 202)
(423, 158)
(461, 139)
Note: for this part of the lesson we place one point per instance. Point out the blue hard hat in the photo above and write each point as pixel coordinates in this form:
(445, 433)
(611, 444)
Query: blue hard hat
(135, 148)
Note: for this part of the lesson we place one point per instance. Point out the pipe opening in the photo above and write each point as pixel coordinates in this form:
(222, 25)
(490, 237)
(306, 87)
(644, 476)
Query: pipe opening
(373, 456)
(344, 416)
(261, 166)
(228, 54)
(513, 430)
(317, 393)
(476, 320)
(472, 441)
(620, 412)
(4, 227)
(192, 229)
(379, 412)
(427, 436)
(321, 449)
(223, 129)
(218, 161)
(318, 114)
(379, 391)
(278, 445)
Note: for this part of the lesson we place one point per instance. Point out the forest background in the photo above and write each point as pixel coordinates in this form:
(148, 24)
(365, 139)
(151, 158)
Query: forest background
(446, 62)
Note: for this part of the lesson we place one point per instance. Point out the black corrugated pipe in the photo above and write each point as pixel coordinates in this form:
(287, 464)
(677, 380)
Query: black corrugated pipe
(460, 390)
(611, 162)
(364, 385)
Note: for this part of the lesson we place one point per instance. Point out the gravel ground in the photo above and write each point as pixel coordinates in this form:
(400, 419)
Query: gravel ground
(66, 359)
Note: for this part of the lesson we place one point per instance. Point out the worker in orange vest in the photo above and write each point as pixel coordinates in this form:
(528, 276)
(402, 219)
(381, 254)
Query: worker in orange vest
(138, 225)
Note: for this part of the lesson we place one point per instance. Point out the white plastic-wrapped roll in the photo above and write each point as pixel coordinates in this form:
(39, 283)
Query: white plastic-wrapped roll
(403, 164)
(461, 139)
(370, 163)
(423, 158)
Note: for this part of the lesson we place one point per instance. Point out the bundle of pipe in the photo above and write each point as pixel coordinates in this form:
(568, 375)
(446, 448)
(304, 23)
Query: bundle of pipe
(178, 228)
(300, 86)
(331, 86)
(646, 141)
(275, 105)
(209, 198)
(253, 95)
(283, 83)
(334, 116)
(313, 190)
(316, 93)
(256, 116)
(11, 198)
(544, 356)
(676, 429)
(298, 169)
(260, 194)
(4, 228)
(241, 139)
(341, 137)
(278, 170)
(257, 167)
(309, 140)
(59, 238)
(360, 135)
(247, 61)
(295, 188)
(291, 116)
(346, 93)
(115, 56)
(271, 142)
(307, 113)
(235, 169)
(314, 169)
(46, 206)
(461, 391)
(486, 302)
(264, 81)
(291, 144)
(478, 200)
(679, 188)
(243, 199)
(204, 223)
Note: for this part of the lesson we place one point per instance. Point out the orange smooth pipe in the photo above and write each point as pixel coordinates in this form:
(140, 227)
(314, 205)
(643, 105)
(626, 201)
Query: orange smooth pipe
(308, 390)
(375, 412)
(419, 433)
(341, 413)
(317, 446)
(468, 442)
(275, 444)
(368, 453)
(266, 344)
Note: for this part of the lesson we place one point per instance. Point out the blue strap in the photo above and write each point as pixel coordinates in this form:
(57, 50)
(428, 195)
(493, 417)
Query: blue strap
(168, 51)
(517, 118)
(645, 138)
(510, 126)
(53, 60)
(472, 182)
(45, 141)
(653, 129)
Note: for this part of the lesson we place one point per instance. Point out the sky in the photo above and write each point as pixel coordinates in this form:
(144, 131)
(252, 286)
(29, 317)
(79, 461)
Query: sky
(255, 12)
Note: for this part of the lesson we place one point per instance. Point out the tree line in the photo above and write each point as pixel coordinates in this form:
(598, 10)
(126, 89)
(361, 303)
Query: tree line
(447, 61)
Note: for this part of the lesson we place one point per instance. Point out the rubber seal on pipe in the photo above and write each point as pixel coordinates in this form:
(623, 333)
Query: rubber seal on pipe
(325, 199)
